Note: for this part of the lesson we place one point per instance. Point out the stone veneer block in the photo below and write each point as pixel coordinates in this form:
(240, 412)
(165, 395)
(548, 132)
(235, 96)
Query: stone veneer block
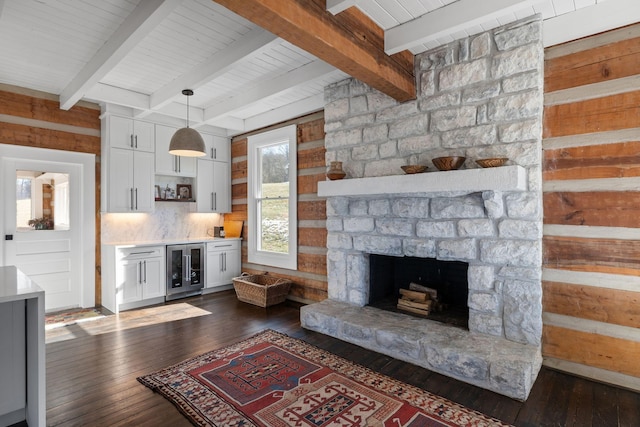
(489, 362)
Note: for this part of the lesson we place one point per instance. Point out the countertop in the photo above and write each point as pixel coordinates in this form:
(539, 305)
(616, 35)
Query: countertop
(15, 285)
(171, 241)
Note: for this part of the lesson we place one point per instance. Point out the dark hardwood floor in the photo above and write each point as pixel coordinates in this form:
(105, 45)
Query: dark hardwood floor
(92, 368)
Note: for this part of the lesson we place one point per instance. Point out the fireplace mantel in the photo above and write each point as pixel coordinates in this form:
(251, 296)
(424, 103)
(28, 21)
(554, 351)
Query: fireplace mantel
(504, 178)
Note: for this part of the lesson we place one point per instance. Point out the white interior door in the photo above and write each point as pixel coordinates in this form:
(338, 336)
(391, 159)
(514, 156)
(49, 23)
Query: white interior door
(60, 260)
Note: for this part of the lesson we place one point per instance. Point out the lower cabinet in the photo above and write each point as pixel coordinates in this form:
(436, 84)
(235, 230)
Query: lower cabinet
(133, 276)
(223, 263)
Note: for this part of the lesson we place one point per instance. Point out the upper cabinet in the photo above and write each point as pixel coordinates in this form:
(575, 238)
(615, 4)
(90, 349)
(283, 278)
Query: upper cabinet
(132, 134)
(168, 164)
(217, 148)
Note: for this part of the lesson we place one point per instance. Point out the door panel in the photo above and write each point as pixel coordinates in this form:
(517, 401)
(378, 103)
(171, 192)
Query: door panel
(52, 258)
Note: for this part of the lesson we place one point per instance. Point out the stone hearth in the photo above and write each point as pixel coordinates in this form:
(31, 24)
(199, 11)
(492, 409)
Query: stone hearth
(479, 97)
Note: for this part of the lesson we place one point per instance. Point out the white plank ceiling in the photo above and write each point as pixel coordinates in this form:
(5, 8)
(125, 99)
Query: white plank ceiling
(138, 55)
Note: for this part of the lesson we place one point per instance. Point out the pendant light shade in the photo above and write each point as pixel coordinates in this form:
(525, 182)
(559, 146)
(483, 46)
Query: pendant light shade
(186, 141)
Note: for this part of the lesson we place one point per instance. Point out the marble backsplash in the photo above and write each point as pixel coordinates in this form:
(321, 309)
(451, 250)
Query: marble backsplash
(169, 221)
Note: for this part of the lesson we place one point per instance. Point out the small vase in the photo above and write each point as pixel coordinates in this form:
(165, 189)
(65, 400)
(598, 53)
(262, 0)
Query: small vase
(335, 171)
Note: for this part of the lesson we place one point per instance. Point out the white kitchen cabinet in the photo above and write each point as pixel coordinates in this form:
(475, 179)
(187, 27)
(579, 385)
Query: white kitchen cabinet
(168, 164)
(213, 187)
(130, 183)
(132, 134)
(133, 276)
(217, 148)
(223, 262)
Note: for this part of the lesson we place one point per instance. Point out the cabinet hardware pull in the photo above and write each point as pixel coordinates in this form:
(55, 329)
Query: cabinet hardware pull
(136, 199)
(145, 271)
(131, 138)
(131, 197)
(225, 261)
(221, 263)
(212, 201)
(215, 201)
(139, 271)
(136, 138)
(141, 253)
(212, 155)
(223, 246)
(215, 153)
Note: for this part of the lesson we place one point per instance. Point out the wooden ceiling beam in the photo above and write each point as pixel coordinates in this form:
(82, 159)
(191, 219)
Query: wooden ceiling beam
(347, 42)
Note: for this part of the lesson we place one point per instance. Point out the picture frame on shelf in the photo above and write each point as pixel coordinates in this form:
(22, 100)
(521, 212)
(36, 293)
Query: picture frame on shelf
(183, 191)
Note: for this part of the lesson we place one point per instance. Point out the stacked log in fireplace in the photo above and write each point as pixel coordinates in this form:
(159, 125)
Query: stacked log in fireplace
(419, 299)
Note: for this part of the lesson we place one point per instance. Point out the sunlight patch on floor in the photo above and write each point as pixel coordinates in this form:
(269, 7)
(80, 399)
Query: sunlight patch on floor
(126, 320)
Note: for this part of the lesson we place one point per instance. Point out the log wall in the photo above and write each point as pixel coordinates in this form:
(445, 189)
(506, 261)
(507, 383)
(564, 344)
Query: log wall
(34, 119)
(591, 183)
(310, 279)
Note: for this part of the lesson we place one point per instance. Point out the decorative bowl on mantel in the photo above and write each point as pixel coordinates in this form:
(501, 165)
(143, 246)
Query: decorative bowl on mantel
(448, 163)
(493, 162)
(411, 169)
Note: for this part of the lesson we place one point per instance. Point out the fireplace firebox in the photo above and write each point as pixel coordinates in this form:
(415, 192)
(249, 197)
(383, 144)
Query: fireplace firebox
(389, 274)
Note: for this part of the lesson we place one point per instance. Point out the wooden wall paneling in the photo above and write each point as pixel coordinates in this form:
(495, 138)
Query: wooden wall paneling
(19, 105)
(308, 184)
(590, 302)
(239, 169)
(29, 136)
(239, 148)
(308, 236)
(597, 208)
(616, 160)
(312, 210)
(311, 131)
(611, 353)
(613, 112)
(612, 61)
(596, 255)
(239, 191)
(311, 158)
(312, 263)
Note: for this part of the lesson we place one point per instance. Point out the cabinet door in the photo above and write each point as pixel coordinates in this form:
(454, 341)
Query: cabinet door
(214, 269)
(144, 136)
(231, 266)
(129, 281)
(120, 182)
(143, 182)
(131, 134)
(221, 187)
(217, 148)
(153, 278)
(204, 186)
(168, 164)
(120, 132)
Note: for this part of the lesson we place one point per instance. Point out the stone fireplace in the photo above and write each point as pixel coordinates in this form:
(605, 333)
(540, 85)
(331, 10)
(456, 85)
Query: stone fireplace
(479, 97)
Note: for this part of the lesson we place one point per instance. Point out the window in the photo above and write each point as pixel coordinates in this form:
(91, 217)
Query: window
(272, 198)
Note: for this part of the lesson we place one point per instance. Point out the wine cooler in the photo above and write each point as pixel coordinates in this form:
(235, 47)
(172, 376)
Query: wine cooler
(185, 270)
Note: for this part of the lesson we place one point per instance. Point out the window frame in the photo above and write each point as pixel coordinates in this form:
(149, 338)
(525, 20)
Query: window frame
(255, 143)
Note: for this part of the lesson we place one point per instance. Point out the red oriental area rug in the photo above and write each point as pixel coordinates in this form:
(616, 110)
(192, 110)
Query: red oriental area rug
(274, 380)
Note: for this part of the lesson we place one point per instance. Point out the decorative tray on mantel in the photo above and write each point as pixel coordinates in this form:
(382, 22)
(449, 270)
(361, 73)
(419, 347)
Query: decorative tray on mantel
(505, 178)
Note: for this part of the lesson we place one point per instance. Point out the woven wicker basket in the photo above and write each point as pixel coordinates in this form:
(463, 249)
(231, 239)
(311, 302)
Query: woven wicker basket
(261, 289)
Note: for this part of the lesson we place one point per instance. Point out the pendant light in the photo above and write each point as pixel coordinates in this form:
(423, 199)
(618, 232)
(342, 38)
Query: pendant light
(186, 141)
